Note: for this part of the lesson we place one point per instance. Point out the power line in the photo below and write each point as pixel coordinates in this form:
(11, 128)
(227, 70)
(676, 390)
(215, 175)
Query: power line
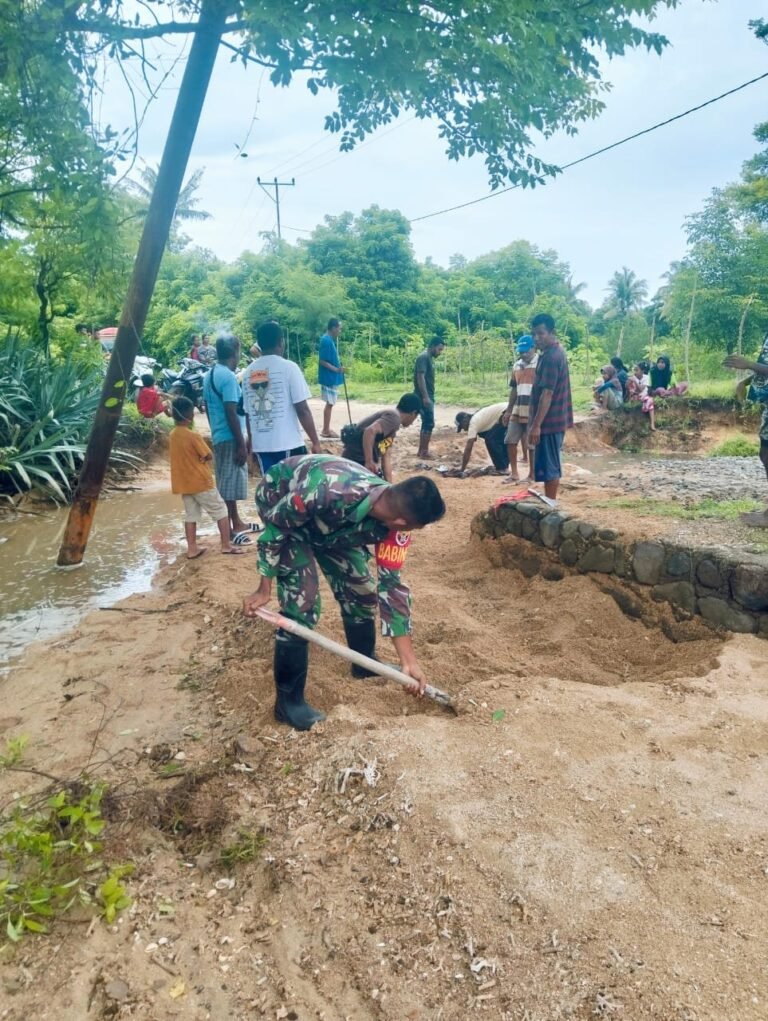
(277, 185)
(597, 152)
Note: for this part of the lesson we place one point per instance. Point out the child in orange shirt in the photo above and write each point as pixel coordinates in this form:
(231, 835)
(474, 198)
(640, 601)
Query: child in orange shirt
(191, 476)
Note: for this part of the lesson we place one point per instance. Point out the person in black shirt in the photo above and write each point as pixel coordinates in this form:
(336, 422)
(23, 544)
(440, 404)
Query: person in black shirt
(424, 388)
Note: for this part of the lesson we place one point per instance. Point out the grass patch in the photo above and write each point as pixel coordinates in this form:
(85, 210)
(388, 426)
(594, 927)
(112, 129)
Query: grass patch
(468, 395)
(737, 446)
(245, 848)
(720, 510)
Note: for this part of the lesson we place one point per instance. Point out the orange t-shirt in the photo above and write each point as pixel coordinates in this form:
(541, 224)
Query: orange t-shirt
(189, 474)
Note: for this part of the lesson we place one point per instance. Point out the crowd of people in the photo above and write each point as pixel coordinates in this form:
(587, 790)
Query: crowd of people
(327, 511)
(618, 386)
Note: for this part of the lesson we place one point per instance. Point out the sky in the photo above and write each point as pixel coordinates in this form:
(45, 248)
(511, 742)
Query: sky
(625, 208)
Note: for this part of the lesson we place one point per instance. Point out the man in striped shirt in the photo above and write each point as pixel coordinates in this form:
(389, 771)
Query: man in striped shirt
(551, 407)
(515, 418)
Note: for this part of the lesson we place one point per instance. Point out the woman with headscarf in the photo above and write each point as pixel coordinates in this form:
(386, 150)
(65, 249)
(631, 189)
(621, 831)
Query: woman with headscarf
(661, 380)
(610, 392)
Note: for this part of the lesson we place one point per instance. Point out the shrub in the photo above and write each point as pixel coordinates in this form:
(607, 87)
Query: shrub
(46, 410)
(737, 446)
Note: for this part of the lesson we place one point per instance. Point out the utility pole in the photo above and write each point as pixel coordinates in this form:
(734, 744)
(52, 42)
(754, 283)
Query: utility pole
(154, 237)
(277, 185)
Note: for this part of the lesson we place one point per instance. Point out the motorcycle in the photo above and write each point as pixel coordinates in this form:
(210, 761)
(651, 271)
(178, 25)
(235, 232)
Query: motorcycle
(186, 382)
(144, 365)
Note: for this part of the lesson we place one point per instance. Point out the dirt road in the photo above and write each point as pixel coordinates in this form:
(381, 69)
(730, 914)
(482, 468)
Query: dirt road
(588, 838)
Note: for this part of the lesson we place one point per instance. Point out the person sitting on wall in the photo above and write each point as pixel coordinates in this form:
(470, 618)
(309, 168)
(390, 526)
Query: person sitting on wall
(149, 401)
(661, 380)
(637, 390)
(609, 394)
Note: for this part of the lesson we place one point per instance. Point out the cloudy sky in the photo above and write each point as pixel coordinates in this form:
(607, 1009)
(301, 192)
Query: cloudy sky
(625, 208)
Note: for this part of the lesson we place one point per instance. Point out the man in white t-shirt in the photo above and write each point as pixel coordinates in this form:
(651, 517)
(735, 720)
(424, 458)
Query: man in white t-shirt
(485, 423)
(275, 396)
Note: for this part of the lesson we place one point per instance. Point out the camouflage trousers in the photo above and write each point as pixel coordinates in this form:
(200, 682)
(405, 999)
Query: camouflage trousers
(346, 571)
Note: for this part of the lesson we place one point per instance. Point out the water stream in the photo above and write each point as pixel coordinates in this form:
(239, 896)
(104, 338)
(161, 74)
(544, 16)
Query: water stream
(132, 534)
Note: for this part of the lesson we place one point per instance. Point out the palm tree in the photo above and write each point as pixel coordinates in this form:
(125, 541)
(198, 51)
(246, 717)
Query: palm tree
(626, 293)
(186, 206)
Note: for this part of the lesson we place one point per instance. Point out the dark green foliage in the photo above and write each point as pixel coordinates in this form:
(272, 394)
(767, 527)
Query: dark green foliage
(46, 410)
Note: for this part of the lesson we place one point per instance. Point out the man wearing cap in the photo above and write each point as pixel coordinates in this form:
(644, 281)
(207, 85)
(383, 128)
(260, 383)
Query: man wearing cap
(485, 423)
(516, 415)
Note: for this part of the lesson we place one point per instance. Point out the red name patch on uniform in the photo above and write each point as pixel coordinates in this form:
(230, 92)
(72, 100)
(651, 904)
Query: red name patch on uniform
(391, 552)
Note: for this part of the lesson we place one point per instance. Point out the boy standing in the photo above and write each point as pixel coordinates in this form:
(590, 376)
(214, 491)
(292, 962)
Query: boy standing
(516, 416)
(192, 478)
(330, 373)
(424, 388)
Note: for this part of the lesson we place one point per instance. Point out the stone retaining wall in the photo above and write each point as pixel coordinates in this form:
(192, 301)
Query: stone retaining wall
(701, 582)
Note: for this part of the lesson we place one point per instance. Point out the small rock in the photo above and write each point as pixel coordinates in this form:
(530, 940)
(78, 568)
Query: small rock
(117, 990)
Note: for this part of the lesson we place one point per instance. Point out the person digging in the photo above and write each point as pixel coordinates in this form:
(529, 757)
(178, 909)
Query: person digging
(319, 510)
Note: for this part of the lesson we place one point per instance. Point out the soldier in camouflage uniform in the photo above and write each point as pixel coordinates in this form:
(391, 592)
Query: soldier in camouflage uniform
(327, 511)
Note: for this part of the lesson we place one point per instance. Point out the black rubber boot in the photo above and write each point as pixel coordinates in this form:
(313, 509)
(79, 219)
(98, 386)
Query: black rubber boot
(361, 637)
(291, 662)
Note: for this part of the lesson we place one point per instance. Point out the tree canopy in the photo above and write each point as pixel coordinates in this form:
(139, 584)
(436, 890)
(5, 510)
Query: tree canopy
(493, 75)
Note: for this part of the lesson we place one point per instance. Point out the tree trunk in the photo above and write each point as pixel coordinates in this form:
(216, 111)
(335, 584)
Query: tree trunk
(688, 334)
(653, 337)
(739, 343)
(181, 135)
(621, 338)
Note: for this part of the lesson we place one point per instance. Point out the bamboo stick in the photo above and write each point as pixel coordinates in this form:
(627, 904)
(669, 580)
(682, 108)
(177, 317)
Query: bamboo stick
(382, 669)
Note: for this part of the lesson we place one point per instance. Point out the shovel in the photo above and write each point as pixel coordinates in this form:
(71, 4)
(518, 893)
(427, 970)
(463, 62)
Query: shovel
(382, 669)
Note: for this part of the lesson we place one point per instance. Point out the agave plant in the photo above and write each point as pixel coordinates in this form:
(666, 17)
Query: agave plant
(46, 409)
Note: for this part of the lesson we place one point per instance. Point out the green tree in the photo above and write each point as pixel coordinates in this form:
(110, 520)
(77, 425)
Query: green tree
(186, 206)
(467, 67)
(626, 293)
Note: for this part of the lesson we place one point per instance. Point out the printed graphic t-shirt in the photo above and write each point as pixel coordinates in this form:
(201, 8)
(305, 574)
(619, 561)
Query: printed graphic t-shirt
(271, 387)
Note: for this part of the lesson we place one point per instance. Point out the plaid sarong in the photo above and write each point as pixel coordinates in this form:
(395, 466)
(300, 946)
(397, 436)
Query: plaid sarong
(231, 478)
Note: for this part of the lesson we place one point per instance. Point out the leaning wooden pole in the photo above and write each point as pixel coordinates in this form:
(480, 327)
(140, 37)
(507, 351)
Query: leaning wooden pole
(154, 237)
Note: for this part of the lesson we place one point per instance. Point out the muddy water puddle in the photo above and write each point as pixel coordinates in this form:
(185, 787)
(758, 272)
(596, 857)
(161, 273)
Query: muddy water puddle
(132, 534)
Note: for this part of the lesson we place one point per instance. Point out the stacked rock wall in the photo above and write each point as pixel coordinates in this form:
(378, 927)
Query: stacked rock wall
(710, 583)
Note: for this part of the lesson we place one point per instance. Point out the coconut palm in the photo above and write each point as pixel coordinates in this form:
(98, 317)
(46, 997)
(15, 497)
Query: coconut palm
(186, 205)
(626, 293)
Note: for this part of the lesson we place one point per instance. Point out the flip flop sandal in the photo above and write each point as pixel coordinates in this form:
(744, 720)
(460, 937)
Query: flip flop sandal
(254, 526)
(240, 539)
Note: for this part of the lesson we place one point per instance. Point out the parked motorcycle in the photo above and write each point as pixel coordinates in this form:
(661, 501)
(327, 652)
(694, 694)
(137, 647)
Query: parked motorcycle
(186, 382)
(144, 365)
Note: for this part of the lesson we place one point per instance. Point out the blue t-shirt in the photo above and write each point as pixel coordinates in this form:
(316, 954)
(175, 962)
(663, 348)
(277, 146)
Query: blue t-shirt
(328, 353)
(229, 388)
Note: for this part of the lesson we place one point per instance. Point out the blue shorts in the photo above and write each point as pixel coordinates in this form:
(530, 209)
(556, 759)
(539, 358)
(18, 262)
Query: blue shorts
(271, 458)
(428, 416)
(330, 394)
(546, 465)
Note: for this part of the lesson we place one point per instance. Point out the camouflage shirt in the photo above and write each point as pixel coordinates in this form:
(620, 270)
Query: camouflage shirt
(324, 501)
